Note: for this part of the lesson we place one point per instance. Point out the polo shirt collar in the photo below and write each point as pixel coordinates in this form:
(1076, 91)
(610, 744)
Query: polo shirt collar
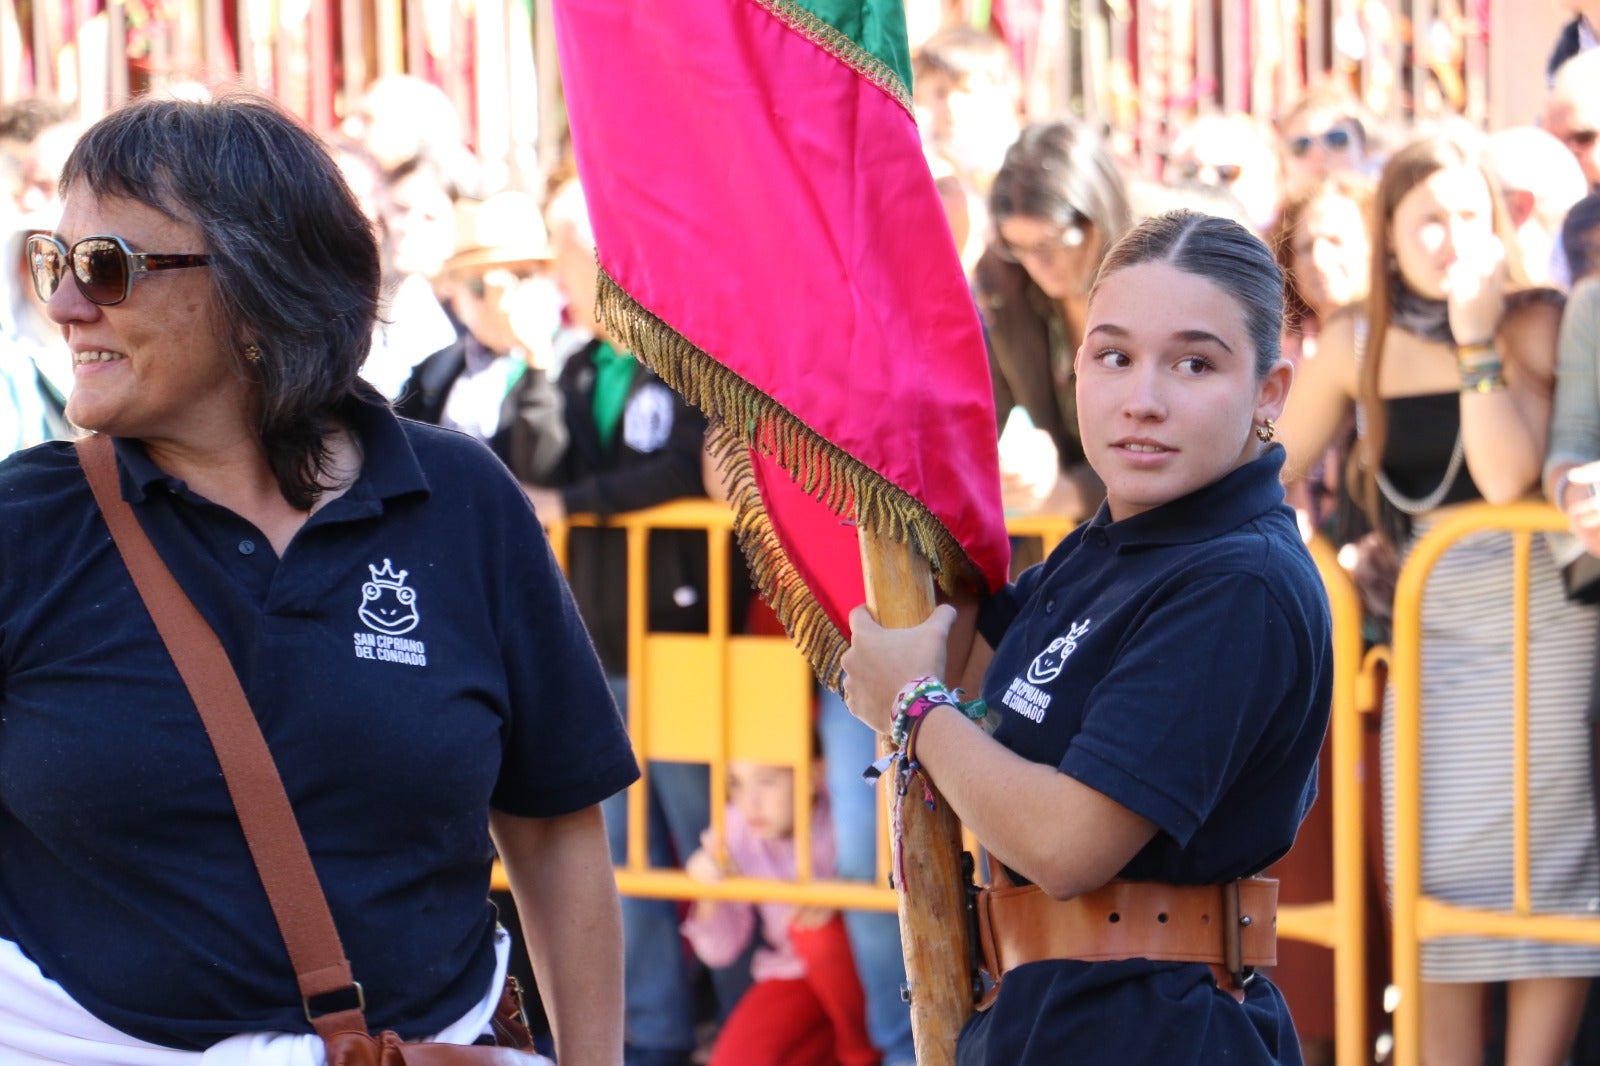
(1224, 505)
(389, 466)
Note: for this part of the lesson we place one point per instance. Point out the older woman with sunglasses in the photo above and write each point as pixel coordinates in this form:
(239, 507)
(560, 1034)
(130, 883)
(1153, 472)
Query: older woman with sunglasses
(1057, 204)
(381, 589)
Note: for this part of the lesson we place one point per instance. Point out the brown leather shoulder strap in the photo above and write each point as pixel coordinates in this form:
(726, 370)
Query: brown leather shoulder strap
(270, 830)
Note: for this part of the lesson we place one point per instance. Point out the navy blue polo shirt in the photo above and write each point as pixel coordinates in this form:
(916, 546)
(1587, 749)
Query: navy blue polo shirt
(414, 659)
(1179, 662)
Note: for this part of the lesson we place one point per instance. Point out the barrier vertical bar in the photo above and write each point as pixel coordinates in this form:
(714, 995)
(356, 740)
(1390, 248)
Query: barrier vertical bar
(638, 612)
(1349, 864)
(1522, 893)
(719, 628)
(1406, 878)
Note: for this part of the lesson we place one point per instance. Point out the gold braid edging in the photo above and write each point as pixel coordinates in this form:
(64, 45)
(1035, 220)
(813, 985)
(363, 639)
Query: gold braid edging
(808, 625)
(744, 417)
(841, 47)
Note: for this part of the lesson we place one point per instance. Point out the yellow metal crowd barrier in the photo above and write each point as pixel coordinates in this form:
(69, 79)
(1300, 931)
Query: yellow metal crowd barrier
(1418, 917)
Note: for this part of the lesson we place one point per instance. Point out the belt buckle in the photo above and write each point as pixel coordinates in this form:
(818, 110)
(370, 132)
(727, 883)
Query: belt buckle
(1234, 924)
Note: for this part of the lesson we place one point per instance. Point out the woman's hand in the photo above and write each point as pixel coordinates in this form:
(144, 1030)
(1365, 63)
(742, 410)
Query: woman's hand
(1583, 505)
(704, 865)
(1477, 285)
(880, 661)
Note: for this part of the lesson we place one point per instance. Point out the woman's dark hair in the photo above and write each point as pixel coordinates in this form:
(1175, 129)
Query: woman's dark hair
(1583, 217)
(294, 264)
(1222, 252)
(1062, 172)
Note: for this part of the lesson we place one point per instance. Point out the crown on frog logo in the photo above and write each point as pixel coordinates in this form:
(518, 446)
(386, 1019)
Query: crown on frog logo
(387, 575)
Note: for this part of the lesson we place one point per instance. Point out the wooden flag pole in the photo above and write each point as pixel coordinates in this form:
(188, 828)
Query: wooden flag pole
(933, 907)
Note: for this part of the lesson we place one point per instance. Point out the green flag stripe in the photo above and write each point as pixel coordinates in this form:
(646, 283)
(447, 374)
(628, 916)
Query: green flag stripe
(869, 35)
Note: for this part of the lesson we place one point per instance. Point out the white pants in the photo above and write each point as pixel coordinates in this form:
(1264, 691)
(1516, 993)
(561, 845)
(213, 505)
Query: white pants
(40, 1023)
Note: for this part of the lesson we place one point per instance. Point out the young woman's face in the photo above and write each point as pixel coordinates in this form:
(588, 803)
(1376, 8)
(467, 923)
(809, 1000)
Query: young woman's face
(764, 797)
(1060, 260)
(1168, 396)
(1330, 253)
(1445, 218)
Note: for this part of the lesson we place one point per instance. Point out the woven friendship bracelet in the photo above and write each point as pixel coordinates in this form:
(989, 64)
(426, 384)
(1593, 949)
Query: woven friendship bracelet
(921, 695)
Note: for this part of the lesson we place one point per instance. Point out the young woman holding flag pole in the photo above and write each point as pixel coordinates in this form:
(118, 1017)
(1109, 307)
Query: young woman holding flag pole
(1161, 685)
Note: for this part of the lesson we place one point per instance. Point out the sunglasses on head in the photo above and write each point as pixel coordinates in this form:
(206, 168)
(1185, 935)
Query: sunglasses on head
(1336, 139)
(102, 266)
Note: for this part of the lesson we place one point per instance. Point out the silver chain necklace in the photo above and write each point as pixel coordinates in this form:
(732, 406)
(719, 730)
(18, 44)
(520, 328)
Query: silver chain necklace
(1432, 500)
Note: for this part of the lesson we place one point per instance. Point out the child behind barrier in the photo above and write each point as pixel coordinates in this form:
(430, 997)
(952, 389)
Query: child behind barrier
(806, 1005)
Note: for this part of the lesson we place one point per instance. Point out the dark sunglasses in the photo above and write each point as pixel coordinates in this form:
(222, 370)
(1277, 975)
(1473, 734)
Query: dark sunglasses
(1227, 173)
(1581, 140)
(1336, 139)
(102, 266)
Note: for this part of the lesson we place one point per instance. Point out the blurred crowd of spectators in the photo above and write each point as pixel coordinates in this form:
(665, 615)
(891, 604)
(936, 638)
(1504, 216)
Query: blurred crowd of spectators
(487, 326)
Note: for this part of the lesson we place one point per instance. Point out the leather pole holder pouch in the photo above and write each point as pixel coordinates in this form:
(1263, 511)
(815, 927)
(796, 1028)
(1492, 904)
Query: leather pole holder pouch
(1019, 924)
(276, 845)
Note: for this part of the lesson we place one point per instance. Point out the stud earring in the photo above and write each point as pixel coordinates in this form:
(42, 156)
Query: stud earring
(252, 354)
(1265, 431)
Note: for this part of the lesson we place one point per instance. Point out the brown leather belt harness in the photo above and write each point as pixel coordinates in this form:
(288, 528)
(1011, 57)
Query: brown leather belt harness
(1232, 926)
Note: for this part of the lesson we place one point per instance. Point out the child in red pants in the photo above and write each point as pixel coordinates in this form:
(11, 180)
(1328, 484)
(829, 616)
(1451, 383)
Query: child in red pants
(806, 1006)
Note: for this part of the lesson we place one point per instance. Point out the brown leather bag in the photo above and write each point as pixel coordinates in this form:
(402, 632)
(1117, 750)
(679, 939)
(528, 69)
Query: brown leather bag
(276, 845)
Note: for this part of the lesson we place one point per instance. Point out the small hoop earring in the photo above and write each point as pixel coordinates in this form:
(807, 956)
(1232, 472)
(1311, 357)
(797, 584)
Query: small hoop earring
(1265, 431)
(252, 354)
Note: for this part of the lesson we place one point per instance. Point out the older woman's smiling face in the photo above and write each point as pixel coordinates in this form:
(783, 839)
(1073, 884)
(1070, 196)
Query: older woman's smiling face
(150, 367)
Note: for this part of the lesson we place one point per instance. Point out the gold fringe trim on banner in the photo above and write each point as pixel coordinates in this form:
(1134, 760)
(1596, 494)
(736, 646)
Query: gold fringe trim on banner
(744, 417)
(841, 47)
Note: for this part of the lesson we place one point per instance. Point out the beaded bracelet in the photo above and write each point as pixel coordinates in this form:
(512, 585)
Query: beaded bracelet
(1470, 356)
(921, 695)
(1484, 377)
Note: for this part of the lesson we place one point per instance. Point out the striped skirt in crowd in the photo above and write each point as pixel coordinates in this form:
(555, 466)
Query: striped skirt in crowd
(1467, 796)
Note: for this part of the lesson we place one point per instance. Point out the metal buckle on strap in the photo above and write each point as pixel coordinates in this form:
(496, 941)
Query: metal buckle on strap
(340, 999)
(1234, 924)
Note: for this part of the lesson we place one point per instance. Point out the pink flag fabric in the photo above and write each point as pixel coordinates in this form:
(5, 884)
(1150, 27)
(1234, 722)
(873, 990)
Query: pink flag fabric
(772, 244)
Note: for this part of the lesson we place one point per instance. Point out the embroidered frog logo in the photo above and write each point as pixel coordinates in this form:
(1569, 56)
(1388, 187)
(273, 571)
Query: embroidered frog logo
(1046, 666)
(387, 605)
